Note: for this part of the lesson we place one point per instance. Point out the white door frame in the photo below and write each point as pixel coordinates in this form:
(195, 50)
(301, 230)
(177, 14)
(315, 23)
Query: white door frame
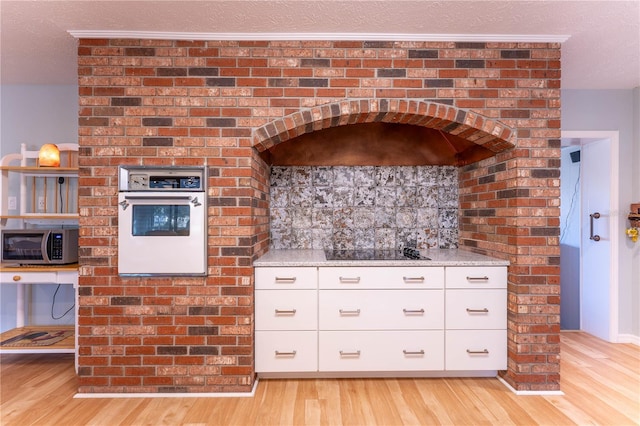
(614, 202)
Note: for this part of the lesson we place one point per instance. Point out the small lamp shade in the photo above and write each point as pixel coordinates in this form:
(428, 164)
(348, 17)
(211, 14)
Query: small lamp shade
(49, 155)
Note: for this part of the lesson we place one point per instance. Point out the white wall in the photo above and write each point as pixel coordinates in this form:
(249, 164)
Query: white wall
(616, 110)
(35, 115)
(569, 240)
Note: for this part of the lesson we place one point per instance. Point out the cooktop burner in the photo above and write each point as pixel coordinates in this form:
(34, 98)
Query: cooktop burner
(373, 254)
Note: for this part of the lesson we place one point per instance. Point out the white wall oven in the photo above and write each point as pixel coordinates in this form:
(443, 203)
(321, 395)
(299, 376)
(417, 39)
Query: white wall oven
(162, 218)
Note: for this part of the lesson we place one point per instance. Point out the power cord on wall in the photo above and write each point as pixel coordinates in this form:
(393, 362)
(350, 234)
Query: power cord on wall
(53, 303)
(571, 207)
(60, 182)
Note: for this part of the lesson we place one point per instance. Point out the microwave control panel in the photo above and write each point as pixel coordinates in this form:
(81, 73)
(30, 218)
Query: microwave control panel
(161, 179)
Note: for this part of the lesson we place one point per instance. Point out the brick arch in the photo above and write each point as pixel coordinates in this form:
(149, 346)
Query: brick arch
(487, 132)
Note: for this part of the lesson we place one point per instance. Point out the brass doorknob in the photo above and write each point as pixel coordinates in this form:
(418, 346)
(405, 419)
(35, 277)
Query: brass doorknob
(17, 277)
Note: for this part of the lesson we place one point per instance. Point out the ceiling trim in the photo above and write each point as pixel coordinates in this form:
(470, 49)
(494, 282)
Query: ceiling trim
(164, 35)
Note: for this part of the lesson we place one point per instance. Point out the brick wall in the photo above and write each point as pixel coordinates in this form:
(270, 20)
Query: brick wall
(159, 102)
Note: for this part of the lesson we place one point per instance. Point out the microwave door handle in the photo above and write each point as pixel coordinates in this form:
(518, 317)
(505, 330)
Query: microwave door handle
(44, 246)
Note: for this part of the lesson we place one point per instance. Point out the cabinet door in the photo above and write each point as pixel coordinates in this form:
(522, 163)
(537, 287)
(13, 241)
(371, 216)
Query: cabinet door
(381, 309)
(476, 277)
(381, 351)
(286, 278)
(476, 309)
(286, 351)
(345, 278)
(476, 350)
(286, 309)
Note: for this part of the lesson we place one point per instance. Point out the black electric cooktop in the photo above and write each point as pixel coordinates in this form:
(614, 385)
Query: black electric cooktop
(373, 254)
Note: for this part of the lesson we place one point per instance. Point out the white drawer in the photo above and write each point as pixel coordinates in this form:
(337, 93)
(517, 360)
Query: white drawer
(286, 309)
(476, 309)
(476, 350)
(286, 351)
(288, 278)
(381, 277)
(29, 277)
(381, 309)
(381, 351)
(476, 277)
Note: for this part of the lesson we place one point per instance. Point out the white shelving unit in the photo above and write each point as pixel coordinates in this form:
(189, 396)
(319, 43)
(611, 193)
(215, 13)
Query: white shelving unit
(46, 197)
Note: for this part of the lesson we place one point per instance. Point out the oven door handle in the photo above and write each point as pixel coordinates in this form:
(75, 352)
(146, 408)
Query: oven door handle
(193, 199)
(157, 197)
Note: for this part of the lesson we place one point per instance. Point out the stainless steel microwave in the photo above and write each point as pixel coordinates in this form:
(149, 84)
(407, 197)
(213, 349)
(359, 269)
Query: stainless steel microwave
(40, 246)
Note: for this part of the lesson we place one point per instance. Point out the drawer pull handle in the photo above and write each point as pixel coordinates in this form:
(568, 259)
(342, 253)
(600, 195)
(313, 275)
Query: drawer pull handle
(478, 311)
(285, 311)
(349, 280)
(482, 352)
(406, 352)
(292, 353)
(355, 312)
(413, 311)
(344, 354)
(17, 277)
(485, 278)
(285, 280)
(413, 280)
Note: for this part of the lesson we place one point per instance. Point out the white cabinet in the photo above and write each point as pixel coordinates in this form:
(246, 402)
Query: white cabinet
(476, 318)
(398, 350)
(286, 319)
(286, 351)
(357, 320)
(287, 309)
(381, 319)
(476, 309)
(476, 350)
(381, 309)
(355, 277)
(476, 277)
(286, 278)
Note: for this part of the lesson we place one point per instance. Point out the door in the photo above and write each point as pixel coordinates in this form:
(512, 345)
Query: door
(596, 239)
(162, 233)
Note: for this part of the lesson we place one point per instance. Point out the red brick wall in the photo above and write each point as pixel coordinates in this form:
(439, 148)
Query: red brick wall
(177, 102)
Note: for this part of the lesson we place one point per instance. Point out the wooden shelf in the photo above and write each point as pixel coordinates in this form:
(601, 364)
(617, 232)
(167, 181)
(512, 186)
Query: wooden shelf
(66, 345)
(41, 170)
(12, 267)
(50, 216)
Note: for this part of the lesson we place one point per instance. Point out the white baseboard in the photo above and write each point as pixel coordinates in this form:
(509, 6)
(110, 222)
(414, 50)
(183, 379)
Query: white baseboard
(173, 395)
(529, 392)
(629, 338)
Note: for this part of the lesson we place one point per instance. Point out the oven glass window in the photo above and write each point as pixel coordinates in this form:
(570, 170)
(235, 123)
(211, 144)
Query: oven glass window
(160, 220)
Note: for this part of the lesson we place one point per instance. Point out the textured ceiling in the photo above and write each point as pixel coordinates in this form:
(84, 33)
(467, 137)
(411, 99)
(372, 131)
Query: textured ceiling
(602, 50)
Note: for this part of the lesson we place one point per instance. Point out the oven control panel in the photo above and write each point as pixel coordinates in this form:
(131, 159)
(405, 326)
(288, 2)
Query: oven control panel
(161, 179)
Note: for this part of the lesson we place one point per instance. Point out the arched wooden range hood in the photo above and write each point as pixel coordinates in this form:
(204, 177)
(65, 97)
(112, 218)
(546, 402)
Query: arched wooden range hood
(376, 144)
(381, 132)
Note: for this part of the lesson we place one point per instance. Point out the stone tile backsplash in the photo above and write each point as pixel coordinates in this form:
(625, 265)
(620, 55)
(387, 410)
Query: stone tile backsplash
(364, 207)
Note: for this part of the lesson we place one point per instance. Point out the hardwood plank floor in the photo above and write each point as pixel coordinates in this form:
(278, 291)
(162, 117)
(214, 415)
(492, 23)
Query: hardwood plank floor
(601, 382)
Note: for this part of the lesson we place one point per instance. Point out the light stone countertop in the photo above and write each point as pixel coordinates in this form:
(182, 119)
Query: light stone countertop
(444, 257)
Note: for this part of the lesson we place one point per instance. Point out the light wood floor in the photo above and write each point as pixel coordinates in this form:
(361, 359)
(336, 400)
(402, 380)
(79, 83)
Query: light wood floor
(601, 382)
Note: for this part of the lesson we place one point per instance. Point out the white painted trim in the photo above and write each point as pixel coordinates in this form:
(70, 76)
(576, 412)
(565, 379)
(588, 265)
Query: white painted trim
(529, 392)
(171, 395)
(380, 374)
(168, 35)
(614, 201)
(629, 338)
